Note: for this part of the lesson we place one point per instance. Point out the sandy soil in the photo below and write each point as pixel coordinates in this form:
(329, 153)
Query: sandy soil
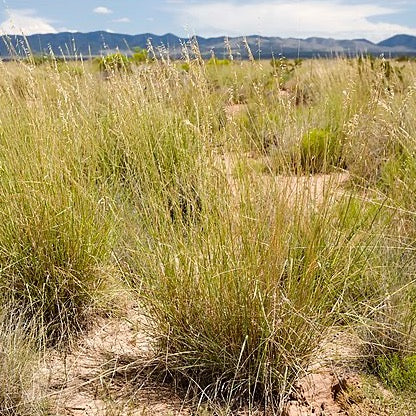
(100, 376)
(296, 189)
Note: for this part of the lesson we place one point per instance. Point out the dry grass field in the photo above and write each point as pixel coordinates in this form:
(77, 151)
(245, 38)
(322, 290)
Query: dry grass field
(208, 238)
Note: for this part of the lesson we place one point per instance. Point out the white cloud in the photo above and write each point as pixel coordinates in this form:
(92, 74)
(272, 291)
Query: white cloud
(283, 18)
(25, 21)
(102, 10)
(122, 20)
(66, 29)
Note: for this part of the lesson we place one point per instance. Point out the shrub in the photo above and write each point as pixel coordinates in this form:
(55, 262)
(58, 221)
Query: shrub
(218, 62)
(284, 69)
(116, 62)
(140, 56)
(397, 372)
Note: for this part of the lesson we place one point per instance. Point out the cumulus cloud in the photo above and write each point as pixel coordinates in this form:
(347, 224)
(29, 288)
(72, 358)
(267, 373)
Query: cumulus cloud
(102, 10)
(25, 21)
(302, 18)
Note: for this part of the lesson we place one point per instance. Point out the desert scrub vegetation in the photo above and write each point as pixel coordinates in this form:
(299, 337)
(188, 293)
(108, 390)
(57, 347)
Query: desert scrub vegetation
(209, 197)
(118, 62)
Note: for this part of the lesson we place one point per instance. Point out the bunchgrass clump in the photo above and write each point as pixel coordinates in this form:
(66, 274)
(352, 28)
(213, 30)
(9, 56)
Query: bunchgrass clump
(262, 279)
(22, 392)
(57, 232)
(53, 249)
(320, 151)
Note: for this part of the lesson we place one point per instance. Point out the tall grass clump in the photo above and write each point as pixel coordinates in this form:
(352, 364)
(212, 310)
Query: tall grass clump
(380, 151)
(241, 299)
(21, 391)
(320, 151)
(52, 246)
(57, 225)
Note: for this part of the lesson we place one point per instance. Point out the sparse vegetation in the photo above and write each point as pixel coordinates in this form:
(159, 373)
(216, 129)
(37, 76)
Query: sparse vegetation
(209, 195)
(21, 394)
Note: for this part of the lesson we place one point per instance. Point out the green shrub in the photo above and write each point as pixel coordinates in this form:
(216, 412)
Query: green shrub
(139, 56)
(397, 372)
(284, 69)
(116, 62)
(218, 62)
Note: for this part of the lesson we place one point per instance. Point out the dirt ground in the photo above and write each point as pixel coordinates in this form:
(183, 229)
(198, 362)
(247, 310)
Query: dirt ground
(98, 376)
(101, 376)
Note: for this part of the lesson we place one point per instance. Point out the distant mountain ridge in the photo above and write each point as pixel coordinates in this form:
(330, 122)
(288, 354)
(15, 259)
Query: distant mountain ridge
(101, 42)
(403, 41)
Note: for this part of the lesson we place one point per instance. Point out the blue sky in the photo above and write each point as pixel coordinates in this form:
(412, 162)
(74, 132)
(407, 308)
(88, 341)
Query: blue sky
(371, 19)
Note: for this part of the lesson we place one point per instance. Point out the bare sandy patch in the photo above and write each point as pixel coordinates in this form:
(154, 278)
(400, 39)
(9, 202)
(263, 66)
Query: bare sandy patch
(99, 376)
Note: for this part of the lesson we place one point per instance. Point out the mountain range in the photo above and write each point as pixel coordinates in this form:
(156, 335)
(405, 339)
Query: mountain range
(101, 42)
